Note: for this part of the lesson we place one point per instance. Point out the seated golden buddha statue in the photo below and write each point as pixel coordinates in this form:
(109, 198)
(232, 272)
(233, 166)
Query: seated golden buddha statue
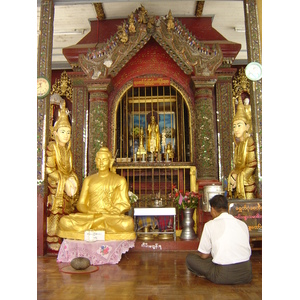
(241, 180)
(102, 205)
(62, 181)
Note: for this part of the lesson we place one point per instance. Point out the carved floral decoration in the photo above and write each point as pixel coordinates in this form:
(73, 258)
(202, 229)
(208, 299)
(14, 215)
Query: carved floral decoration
(191, 55)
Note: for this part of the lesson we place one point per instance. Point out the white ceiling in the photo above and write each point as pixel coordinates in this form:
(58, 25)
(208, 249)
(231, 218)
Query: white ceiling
(71, 20)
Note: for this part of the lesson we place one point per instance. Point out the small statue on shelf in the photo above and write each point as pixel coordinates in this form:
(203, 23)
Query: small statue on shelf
(241, 180)
(170, 151)
(141, 149)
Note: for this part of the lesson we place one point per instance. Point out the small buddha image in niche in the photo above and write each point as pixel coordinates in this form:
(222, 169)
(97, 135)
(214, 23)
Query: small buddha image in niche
(153, 133)
(170, 151)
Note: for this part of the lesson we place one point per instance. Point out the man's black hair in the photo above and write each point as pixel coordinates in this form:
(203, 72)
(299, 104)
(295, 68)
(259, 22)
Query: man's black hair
(219, 202)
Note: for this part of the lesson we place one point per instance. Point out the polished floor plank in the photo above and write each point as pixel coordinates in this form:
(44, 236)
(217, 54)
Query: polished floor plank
(141, 275)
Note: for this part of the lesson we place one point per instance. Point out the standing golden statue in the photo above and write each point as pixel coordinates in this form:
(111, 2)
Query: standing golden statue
(241, 180)
(102, 205)
(62, 181)
(153, 143)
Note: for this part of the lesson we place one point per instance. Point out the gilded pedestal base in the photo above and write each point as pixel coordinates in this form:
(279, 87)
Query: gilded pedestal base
(108, 236)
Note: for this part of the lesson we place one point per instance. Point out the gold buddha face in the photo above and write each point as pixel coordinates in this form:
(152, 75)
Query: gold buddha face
(102, 161)
(63, 135)
(239, 128)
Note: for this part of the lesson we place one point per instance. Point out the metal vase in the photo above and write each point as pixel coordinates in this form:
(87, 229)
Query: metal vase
(209, 192)
(188, 232)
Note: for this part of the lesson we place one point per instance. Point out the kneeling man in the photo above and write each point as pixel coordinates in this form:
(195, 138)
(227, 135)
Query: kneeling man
(224, 248)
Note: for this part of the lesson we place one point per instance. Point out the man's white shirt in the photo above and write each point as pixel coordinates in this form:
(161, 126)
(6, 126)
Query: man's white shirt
(227, 239)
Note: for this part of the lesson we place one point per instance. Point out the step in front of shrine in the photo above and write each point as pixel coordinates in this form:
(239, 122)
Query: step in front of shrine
(166, 245)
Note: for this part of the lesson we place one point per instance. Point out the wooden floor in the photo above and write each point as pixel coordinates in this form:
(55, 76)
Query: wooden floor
(141, 275)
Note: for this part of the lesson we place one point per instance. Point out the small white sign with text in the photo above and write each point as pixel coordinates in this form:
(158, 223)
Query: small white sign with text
(91, 236)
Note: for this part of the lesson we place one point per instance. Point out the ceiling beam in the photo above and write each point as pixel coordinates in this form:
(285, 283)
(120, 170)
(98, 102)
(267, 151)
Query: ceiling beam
(70, 2)
(199, 8)
(99, 11)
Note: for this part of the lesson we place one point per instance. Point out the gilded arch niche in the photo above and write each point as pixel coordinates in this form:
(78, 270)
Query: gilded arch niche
(180, 95)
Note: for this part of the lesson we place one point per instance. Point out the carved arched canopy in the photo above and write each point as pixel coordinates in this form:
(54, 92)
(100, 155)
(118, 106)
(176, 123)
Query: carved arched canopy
(192, 56)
